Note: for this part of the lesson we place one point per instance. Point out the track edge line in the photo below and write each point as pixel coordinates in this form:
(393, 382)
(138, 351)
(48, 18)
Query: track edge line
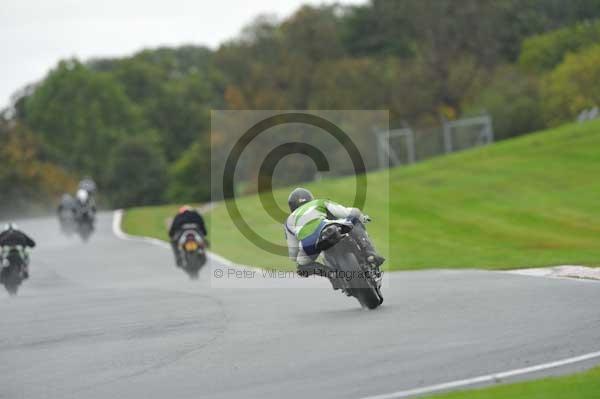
(485, 378)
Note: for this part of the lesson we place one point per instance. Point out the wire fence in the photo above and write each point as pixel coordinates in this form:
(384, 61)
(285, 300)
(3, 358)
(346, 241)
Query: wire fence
(407, 145)
(588, 115)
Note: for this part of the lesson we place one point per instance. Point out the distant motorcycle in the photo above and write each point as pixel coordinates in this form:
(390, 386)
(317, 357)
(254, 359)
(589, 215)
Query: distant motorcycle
(68, 225)
(13, 269)
(77, 215)
(85, 214)
(85, 225)
(351, 271)
(66, 214)
(192, 249)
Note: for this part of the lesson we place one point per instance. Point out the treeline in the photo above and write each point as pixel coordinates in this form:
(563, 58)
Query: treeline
(140, 125)
(28, 181)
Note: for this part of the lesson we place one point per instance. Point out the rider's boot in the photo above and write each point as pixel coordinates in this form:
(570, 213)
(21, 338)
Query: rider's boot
(374, 258)
(177, 254)
(319, 269)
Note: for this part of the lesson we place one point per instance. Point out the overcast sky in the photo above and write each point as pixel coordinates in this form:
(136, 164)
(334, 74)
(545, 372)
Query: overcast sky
(35, 34)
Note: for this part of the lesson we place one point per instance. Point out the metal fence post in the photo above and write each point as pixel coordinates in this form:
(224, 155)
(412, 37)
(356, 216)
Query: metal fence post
(384, 156)
(447, 132)
(489, 130)
(380, 162)
(389, 156)
(410, 145)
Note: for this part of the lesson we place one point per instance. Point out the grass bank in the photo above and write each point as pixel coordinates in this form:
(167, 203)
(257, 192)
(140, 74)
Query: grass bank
(530, 201)
(578, 386)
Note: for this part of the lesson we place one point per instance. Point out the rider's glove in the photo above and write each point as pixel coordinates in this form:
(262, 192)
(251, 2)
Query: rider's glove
(364, 219)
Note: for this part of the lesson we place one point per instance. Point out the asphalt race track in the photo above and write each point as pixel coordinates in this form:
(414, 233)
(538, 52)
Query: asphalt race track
(114, 318)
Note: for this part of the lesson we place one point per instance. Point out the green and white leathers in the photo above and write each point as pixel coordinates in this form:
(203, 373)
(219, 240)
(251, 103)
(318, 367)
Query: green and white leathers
(304, 225)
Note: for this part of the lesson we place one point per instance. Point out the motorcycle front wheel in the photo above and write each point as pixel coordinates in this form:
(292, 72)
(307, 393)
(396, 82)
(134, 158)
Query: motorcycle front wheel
(360, 286)
(11, 280)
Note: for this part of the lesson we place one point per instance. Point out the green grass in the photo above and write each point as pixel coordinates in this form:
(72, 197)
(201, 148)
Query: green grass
(530, 201)
(149, 221)
(581, 386)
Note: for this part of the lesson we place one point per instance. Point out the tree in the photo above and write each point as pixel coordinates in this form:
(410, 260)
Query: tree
(79, 115)
(541, 53)
(349, 84)
(380, 28)
(572, 87)
(190, 175)
(136, 173)
(513, 100)
(26, 181)
(174, 89)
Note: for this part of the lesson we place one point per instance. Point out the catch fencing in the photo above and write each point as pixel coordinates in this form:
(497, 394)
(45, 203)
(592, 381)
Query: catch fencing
(406, 145)
(588, 115)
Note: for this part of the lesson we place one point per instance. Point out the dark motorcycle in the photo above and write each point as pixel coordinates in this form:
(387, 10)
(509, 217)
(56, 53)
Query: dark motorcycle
(85, 220)
(351, 272)
(13, 271)
(85, 213)
(85, 228)
(67, 221)
(192, 249)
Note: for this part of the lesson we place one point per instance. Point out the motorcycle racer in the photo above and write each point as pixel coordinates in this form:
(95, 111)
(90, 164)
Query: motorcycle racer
(185, 215)
(11, 238)
(306, 223)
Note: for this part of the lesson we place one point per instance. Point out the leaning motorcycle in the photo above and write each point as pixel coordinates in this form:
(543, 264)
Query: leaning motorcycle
(192, 249)
(350, 270)
(13, 270)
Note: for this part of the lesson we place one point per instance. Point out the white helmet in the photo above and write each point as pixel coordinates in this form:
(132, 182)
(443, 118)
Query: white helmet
(88, 185)
(82, 196)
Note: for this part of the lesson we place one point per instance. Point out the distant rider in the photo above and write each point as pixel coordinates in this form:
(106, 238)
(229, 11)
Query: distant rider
(308, 219)
(185, 215)
(86, 205)
(12, 238)
(88, 185)
(66, 207)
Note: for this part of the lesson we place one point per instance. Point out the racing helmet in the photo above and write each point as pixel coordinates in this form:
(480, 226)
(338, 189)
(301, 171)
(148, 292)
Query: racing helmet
(298, 197)
(82, 196)
(88, 185)
(184, 208)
